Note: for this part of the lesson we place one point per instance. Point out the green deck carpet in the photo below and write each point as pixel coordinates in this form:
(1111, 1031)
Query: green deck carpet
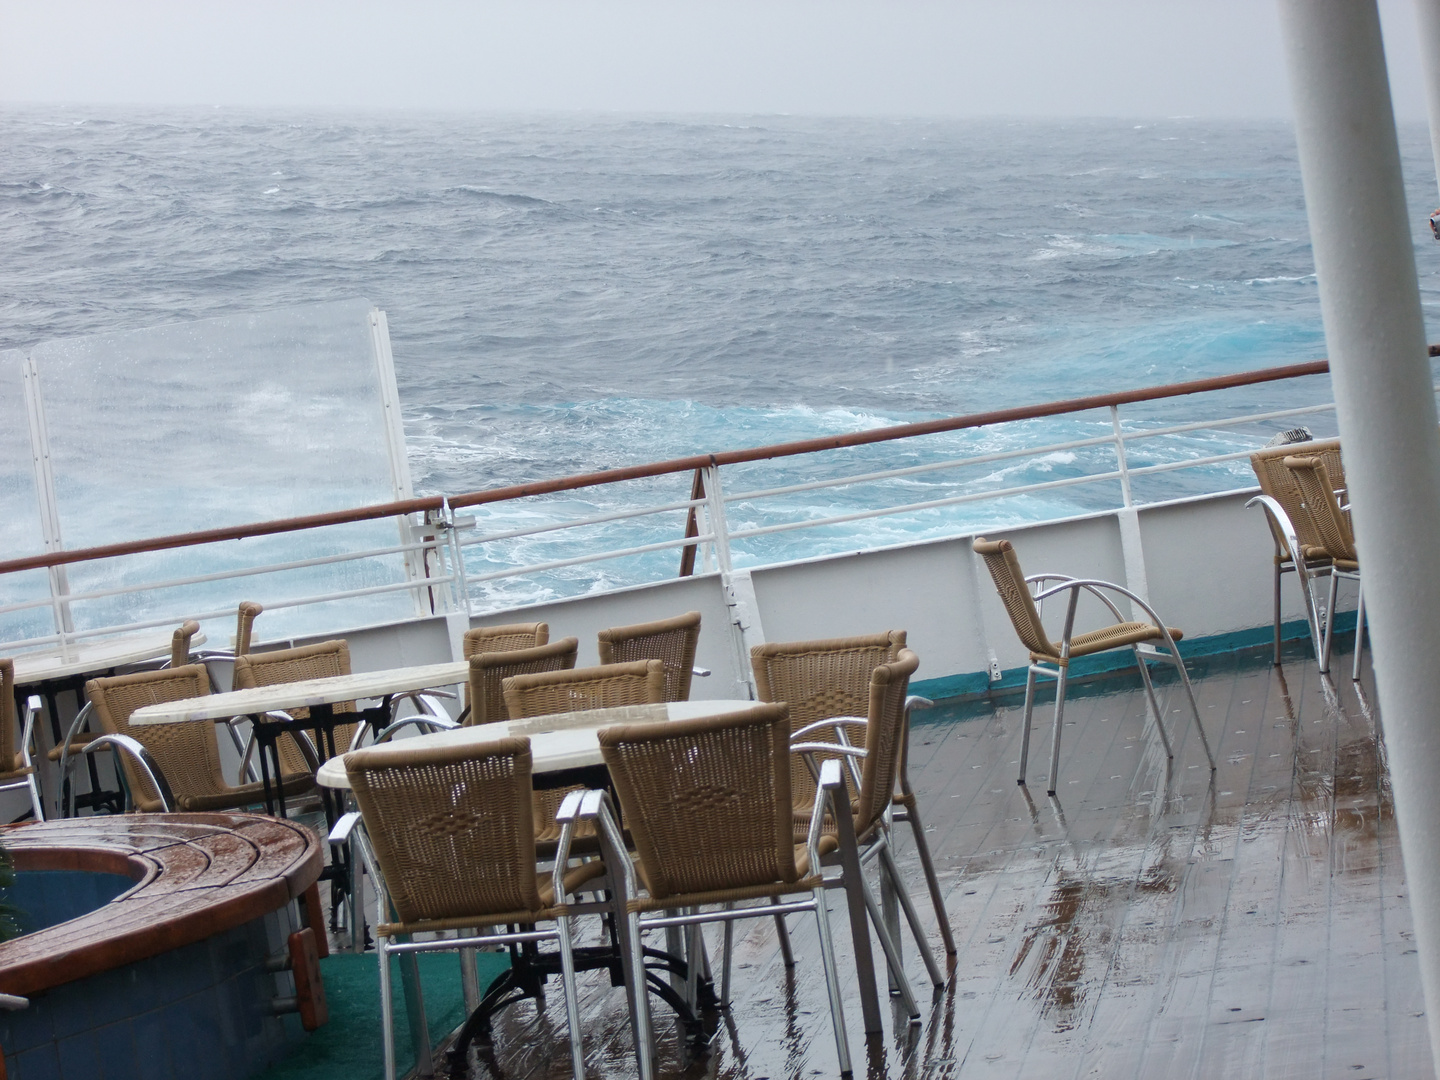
(348, 1047)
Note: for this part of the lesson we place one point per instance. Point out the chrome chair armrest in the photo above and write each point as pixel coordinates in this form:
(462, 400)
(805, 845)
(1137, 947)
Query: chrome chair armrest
(434, 723)
(830, 796)
(33, 706)
(829, 722)
(703, 672)
(340, 834)
(124, 744)
(570, 807)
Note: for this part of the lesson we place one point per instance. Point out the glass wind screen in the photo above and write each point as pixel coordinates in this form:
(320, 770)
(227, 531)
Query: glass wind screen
(214, 423)
(20, 532)
(221, 422)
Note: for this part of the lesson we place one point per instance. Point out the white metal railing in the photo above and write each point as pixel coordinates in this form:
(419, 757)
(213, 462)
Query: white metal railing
(452, 551)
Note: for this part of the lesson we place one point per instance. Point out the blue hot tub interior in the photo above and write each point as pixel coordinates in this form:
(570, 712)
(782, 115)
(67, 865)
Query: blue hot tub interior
(45, 897)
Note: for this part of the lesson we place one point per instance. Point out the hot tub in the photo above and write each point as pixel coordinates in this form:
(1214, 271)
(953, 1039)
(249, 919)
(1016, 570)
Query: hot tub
(155, 944)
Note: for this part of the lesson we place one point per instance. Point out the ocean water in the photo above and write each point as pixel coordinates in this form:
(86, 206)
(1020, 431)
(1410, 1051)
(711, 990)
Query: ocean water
(572, 293)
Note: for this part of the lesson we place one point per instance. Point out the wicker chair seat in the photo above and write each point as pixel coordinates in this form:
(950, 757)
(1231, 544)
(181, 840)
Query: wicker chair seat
(243, 795)
(17, 768)
(1108, 637)
(804, 884)
(575, 877)
(81, 738)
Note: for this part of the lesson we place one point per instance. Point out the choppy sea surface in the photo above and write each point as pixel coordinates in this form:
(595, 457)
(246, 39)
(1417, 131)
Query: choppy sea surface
(570, 293)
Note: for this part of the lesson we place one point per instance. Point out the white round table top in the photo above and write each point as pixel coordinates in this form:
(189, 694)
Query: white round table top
(559, 741)
(84, 657)
(310, 692)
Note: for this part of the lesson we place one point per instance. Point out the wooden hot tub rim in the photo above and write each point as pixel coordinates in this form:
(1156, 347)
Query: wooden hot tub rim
(196, 875)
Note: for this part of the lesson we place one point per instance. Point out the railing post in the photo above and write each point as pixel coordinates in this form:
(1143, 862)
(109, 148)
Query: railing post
(1132, 551)
(739, 592)
(715, 506)
(692, 525)
(45, 494)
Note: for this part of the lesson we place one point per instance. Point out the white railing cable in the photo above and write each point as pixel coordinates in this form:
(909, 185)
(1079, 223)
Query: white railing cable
(225, 575)
(575, 523)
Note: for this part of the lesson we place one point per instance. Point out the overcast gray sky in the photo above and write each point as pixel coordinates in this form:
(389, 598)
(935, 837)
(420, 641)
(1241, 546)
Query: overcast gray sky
(960, 57)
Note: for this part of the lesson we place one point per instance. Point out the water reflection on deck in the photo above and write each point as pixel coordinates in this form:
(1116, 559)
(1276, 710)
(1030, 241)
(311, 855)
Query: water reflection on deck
(1138, 925)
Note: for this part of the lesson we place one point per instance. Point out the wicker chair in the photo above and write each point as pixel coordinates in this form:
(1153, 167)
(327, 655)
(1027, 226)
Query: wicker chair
(77, 738)
(17, 768)
(876, 766)
(187, 754)
(672, 641)
(319, 661)
(1052, 660)
(708, 804)
(606, 687)
(832, 678)
(1291, 527)
(448, 839)
(820, 679)
(485, 693)
(1330, 522)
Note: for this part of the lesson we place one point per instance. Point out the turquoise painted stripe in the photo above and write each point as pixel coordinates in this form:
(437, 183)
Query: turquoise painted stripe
(977, 683)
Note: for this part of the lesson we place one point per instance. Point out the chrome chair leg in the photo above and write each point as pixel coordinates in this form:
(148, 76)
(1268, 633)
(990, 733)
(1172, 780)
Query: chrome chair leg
(1359, 633)
(1029, 715)
(1059, 724)
(832, 983)
(907, 904)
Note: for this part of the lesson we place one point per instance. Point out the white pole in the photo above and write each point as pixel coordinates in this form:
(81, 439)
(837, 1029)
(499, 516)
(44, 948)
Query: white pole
(1427, 17)
(1370, 301)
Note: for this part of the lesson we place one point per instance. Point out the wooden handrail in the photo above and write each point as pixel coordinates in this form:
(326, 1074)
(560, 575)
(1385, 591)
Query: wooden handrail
(674, 465)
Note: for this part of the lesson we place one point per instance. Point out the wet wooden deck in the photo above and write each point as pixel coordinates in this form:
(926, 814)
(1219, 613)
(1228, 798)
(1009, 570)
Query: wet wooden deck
(1135, 926)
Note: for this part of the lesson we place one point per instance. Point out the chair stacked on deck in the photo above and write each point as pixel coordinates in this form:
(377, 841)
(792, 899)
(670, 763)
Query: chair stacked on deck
(489, 670)
(830, 680)
(609, 686)
(449, 840)
(187, 754)
(709, 807)
(1300, 547)
(1330, 523)
(17, 767)
(497, 652)
(80, 735)
(322, 660)
(1052, 659)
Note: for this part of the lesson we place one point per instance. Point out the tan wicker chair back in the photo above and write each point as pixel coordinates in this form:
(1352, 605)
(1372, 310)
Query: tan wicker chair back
(1004, 566)
(180, 643)
(320, 661)
(640, 683)
(509, 638)
(187, 754)
(245, 624)
(1280, 484)
(671, 641)
(452, 827)
(820, 679)
(884, 739)
(489, 670)
(707, 801)
(1330, 524)
(9, 759)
